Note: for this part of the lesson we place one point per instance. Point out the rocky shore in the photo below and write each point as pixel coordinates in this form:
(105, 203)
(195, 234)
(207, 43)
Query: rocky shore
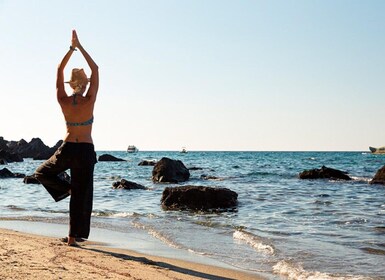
(16, 151)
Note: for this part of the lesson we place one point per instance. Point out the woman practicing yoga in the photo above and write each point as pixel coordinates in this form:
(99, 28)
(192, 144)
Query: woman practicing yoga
(77, 152)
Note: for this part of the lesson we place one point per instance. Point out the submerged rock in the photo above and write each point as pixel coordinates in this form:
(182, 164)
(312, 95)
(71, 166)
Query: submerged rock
(170, 171)
(127, 185)
(6, 173)
(198, 198)
(379, 178)
(324, 173)
(147, 162)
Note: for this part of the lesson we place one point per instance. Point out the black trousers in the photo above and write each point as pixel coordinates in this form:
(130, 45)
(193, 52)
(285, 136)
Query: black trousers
(80, 158)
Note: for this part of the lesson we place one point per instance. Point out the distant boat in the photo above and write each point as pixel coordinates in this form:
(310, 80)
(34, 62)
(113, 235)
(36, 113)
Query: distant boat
(132, 149)
(380, 150)
(183, 150)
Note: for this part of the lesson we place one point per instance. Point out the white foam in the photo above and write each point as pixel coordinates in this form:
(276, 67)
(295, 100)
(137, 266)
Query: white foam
(297, 272)
(157, 235)
(111, 214)
(254, 242)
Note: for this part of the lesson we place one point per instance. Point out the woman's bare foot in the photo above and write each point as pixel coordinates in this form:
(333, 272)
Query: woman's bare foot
(71, 241)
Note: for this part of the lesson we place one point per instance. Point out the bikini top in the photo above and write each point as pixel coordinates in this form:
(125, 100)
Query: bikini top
(87, 122)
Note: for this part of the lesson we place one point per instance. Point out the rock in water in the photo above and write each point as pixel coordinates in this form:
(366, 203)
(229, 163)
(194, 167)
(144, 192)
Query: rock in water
(324, 173)
(170, 171)
(127, 185)
(106, 157)
(379, 178)
(198, 198)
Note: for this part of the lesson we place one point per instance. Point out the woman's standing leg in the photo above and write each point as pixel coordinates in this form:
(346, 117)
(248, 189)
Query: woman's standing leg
(81, 201)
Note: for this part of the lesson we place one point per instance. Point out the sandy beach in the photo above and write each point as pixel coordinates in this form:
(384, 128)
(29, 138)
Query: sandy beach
(29, 256)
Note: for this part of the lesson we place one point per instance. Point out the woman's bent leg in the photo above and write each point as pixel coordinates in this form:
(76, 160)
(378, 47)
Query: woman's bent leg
(47, 175)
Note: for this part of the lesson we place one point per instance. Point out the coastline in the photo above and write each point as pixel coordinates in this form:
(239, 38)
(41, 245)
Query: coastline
(24, 254)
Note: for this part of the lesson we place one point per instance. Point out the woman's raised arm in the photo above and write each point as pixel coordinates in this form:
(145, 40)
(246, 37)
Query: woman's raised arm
(94, 79)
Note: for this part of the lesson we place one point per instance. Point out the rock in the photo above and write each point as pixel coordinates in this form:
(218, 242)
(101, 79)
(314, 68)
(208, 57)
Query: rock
(106, 157)
(324, 173)
(3, 161)
(8, 157)
(47, 153)
(127, 185)
(198, 198)
(170, 171)
(35, 149)
(6, 173)
(147, 163)
(379, 178)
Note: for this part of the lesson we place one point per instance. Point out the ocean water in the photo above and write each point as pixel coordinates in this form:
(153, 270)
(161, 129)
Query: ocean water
(283, 227)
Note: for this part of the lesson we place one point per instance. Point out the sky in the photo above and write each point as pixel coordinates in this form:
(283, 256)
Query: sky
(208, 75)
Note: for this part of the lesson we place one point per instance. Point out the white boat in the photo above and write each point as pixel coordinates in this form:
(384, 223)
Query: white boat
(132, 149)
(183, 150)
(380, 150)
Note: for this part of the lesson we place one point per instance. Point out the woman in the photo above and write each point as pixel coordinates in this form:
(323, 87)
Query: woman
(77, 151)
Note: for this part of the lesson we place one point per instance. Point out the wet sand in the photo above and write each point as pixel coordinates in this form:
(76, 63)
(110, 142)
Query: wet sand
(30, 256)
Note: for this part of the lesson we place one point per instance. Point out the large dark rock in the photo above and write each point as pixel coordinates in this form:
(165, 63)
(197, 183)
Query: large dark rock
(6, 173)
(35, 149)
(127, 185)
(198, 198)
(106, 157)
(379, 178)
(7, 157)
(324, 173)
(170, 171)
(47, 153)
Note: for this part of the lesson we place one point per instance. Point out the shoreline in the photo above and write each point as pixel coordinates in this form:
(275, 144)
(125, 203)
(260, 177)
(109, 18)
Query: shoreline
(27, 253)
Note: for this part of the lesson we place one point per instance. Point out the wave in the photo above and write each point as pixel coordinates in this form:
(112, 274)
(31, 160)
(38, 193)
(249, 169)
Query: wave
(158, 235)
(254, 241)
(113, 214)
(297, 272)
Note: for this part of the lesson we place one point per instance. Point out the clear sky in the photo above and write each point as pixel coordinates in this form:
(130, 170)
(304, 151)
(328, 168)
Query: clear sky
(204, 74)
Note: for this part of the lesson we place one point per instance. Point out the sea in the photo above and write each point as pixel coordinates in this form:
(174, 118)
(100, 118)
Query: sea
(282, 228)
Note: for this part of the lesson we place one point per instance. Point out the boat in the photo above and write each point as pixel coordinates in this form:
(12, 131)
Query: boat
(183, 151)
(380, 150)
(132, 149)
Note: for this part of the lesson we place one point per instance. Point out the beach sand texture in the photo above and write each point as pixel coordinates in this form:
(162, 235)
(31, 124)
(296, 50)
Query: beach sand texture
(27, 256)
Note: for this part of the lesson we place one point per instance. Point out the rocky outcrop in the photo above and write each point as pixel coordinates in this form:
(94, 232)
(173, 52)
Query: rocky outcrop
(170, 171)
(18, 150)
(127, 185)
(47, 153)
(6, 173)
(379, 177)
(198, 198)
(107, 157)
(7, 157)
(324, 173)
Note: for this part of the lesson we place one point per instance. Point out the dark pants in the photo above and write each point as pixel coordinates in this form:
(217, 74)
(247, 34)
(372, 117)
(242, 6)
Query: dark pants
(80, 158)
